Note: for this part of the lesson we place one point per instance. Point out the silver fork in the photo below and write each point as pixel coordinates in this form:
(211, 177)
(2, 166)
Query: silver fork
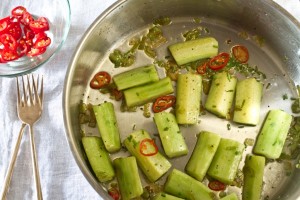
(29, 107)
(29, 111)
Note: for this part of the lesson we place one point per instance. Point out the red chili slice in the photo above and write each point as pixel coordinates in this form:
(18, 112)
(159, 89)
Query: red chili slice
(220, 61)
(240, 53)
(100, 80)
(163, 103)
(216, 185)
(9, 55)
(35, 52)
(148, 147)
(38, 26)
(27, 18)
(18, 11)
(114, 193)
(201, 69)
(42, 42)
(117, 94)
(28, 32)
(3, 26)
(15, 30)
(8, 41)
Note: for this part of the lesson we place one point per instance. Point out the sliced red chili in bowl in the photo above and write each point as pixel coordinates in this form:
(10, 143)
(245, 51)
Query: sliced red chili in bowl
(163, 103)
(219, 62)
(240, 53)
(9, 55)
(148, 147)
(216, 185)
(42, 42)
(18, 11)
(100, 80)
(8, 41)
(35, 51)
(38, 26)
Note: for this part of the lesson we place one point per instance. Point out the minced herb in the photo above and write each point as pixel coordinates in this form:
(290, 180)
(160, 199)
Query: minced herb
(285, 97)
(86, 114)
(192, 34)
(162, 21)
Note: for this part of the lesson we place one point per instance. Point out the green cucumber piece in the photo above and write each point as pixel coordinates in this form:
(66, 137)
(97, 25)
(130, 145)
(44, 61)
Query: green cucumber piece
(226, 161)
(184, 186)
(247, 101)
(221, 94)
(202, 156)
(128, 177)
(273, 134)
(164, 196)
(231, 196)
(153, 166)
(189, 88)
(108, 126)
(136, 77)
(170, 135)
(253, 177)
(98, 158)
(189, 51)
(140, 95)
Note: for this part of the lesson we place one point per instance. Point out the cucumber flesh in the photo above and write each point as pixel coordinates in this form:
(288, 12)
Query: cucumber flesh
(108, 126)
(170, 135)
(164, 196)
(136, 77)
(153, 166)
(221, 94)
(248, 101)
(184, 186)
(189, 51)
(253, 177)
(226, 161)
(128, 177)
(231, 196)
(273, 134)
(140, 95)
(98, 158)
(202, 156)
(189, 88)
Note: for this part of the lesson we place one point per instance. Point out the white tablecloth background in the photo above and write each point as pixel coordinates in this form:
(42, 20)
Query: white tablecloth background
(61, 178)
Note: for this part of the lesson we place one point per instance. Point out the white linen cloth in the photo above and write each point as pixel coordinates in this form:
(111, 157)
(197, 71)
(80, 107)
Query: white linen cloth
(61, 178)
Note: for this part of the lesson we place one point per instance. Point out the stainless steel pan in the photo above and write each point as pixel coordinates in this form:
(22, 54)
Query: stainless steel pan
(278, 57)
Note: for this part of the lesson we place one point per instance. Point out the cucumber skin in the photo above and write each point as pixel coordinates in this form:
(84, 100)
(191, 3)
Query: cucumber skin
(231, 196)
(128, 177)
(140, 95)
(170, 135)
(273, 134)
(202, 156)
(184, 186)
(108, 126)
(189, 88)
(226, 161)
(164, 196)
(98, 158)
(253, 177)
(221, 94)
(136, 77)
(248, 101)
(189, 51)
(153, 166)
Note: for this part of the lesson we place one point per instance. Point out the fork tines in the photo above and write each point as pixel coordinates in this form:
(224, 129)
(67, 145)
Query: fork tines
(32, 90)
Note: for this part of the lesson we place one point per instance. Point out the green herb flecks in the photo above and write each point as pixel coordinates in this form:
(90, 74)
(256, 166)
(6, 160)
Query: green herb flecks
(162, 21)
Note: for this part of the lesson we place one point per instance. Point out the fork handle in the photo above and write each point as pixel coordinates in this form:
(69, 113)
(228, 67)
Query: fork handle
(35, 166)
(12, 163)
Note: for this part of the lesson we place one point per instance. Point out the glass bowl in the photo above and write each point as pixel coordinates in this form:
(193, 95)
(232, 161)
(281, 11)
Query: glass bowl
(57, 13)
